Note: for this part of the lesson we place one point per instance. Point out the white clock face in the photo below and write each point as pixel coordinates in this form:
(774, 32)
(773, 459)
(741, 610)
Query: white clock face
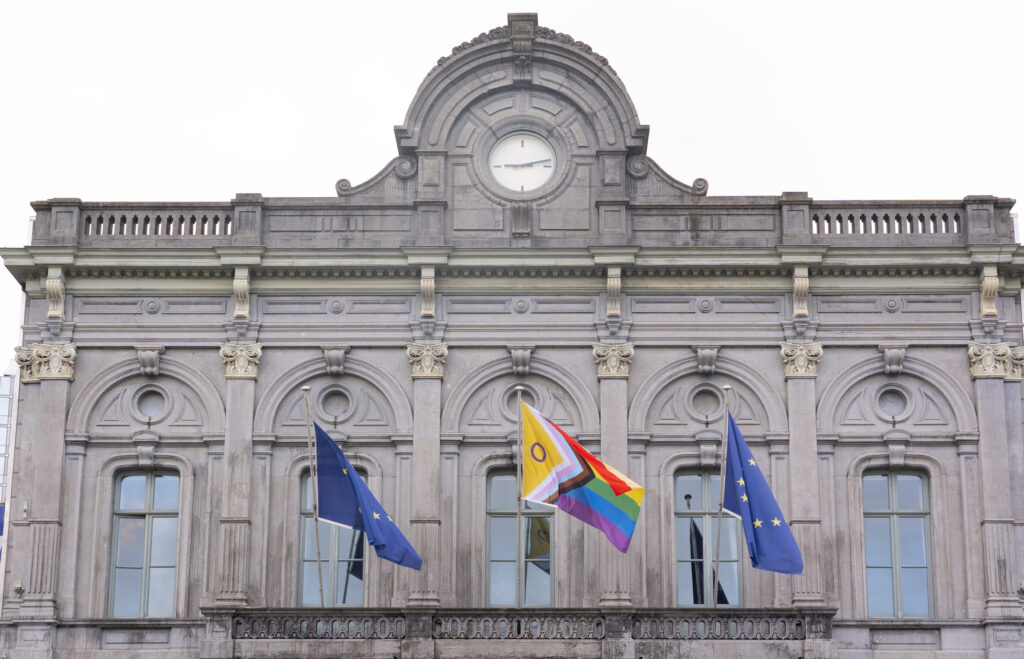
(522, 161)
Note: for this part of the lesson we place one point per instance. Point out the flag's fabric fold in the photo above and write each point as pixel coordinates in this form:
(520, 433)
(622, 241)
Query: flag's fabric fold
(558, 471)
(344, 499)
(769, 540)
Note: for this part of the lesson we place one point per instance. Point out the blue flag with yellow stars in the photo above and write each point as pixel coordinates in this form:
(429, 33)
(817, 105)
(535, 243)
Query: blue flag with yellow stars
(770, 542)
(344, 499)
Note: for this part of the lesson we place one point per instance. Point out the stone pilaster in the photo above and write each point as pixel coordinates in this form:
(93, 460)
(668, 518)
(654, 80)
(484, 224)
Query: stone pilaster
(612, 361)
(425, 523)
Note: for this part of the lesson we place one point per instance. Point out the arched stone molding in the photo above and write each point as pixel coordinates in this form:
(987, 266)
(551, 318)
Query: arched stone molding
(938, 524)
(208, 397)
(958, 399)
(565, 68)
(286, 384)
(742, 378)
(582, 397)
(100, 575)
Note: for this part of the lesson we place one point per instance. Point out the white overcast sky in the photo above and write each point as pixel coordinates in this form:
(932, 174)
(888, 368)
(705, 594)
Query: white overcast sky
(175, 101)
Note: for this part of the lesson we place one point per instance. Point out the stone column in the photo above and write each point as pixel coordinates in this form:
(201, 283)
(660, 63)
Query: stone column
(46, 373)
(242, 367)
(990, 364)
(427, 361)
(800, 367)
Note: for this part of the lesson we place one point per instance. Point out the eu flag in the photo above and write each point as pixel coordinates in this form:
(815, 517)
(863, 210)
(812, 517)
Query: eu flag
(770, 542)
(344, 499)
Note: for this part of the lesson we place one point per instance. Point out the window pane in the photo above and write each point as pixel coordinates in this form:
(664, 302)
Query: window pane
(307, 494)
(912, 544)
(165, 492)
(537, 586)
(538, 541)
(349, 543)
(127, 592)
(689, 538)
(131, 539)
(880, 592)
(503, 584)
(310, 584)
(501, 492)
(689, 582)
(688, 485)
(309, 540)
(503, 537)
(876, 492)
(133, 493)
(161, 593)
(909, 492)
(730, 533)
(877, 542)
(728, 582)
(350, 583)
(164, 543)
(915, 592)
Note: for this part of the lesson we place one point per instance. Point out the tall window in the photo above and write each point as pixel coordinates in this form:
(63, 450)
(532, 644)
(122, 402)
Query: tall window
(145, 545)
(341, 558)
(534, 561)
(696, 511)
(896, 545)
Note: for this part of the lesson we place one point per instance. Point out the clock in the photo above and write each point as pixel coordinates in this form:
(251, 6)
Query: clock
(522, 161)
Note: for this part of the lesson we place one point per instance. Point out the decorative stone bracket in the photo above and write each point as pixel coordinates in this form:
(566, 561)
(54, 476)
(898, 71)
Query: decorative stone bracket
(427, 359)
(706, 358)
(41, 361)
(242, 361)
(149, 359)
(521, 358)
(893, 356)
(55, 293)
(335, 358)
(613, 307)
(801, 288)
(427, 306)
(990, 360)
(613, 359)
(240, 287)
(800, 360)
(989, 291)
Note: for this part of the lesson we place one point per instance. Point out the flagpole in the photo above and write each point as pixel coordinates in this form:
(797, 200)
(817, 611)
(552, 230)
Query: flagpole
(519, 487)
(312, 484)
(721, 496)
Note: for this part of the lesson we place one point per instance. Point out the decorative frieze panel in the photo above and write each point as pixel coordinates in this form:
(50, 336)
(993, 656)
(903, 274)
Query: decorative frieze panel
(613, 359)
(242, 361)
(41, 361)
(989, 360)
(317, 625)
(800, 360)
(542, 625)
(427, 359)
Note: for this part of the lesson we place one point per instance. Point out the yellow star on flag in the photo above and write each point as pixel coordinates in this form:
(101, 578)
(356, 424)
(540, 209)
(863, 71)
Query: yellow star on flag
(751, 461)
(744, 497)
(741, 482)
(376, 515)
(758, 523)
(345, 471)
(776, 522)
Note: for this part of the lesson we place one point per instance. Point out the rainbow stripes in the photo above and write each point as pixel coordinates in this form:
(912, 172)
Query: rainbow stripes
(558, 471)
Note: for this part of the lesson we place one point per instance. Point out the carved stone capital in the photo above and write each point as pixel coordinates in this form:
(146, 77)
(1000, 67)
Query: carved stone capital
(988, 360)
(242, 361)
(613, 359)
(240, 287)
(149, 359)
(335, 358)
(41, 361)
(893, 356)
(706, 358)
(521, 358)
(800, 360)
(1015, 365)
(427, 359)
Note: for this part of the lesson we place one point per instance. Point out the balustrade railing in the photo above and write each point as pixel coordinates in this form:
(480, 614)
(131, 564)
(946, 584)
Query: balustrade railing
(886, 221)
(171, 223)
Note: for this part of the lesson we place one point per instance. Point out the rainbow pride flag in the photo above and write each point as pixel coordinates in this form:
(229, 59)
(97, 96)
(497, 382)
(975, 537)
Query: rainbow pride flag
(559, 472)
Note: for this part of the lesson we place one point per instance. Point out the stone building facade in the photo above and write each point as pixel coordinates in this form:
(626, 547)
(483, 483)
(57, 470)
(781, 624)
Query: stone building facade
(520, 237)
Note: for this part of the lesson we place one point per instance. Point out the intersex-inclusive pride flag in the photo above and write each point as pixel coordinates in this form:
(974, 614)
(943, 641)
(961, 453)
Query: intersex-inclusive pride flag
(559, 472)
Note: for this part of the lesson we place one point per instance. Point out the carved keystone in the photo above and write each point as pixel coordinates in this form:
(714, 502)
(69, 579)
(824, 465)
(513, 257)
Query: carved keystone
(893, 356)
(335, 358)
(613, 359)
(800, 360)
(242, 360)
(706, 357)
(521, 358)
(41, 361)
(988, 360)
(427, 359)
(149, 359)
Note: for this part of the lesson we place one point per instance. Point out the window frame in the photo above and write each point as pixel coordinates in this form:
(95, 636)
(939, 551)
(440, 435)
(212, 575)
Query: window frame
(148, 513)
(527, 510)
(894, 514)
(708, 516)
(331, 561)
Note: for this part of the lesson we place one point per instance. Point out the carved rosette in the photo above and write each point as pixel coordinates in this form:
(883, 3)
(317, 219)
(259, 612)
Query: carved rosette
(989, 360)
(800, 360)
(1015, 365)
(613, 359)
(427, 359)
(41, 361)
(242, 361)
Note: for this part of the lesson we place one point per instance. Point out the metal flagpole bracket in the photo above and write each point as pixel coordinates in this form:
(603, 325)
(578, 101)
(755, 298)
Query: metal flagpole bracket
(721, 495)
(313, 488)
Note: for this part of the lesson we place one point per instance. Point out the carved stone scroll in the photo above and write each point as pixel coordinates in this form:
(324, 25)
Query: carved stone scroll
(240, 288)
(335, 358)
(800, 360)
(521, 358)
(613, 307)
(988, 360)
(1015, 365)
(41, 361)
(801, 287)
(613, 359)
(427, 359)
(55, 293)
(427, 292)
(242, 361)
(989, 292)
(893, 356)
(149, 359)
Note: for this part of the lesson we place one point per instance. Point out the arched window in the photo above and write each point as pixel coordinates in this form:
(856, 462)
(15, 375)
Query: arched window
(342, 552)
(696, 513)
(533, 563)
(145, 545)
(897, 545)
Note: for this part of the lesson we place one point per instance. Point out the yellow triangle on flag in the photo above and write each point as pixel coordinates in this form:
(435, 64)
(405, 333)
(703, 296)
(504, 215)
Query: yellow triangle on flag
(540, 457)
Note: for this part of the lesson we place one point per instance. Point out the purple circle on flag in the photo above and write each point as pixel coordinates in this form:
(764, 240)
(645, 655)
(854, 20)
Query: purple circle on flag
(533, 452)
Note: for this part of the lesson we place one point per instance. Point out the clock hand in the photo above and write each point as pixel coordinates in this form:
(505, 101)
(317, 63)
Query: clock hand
(527, 164)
